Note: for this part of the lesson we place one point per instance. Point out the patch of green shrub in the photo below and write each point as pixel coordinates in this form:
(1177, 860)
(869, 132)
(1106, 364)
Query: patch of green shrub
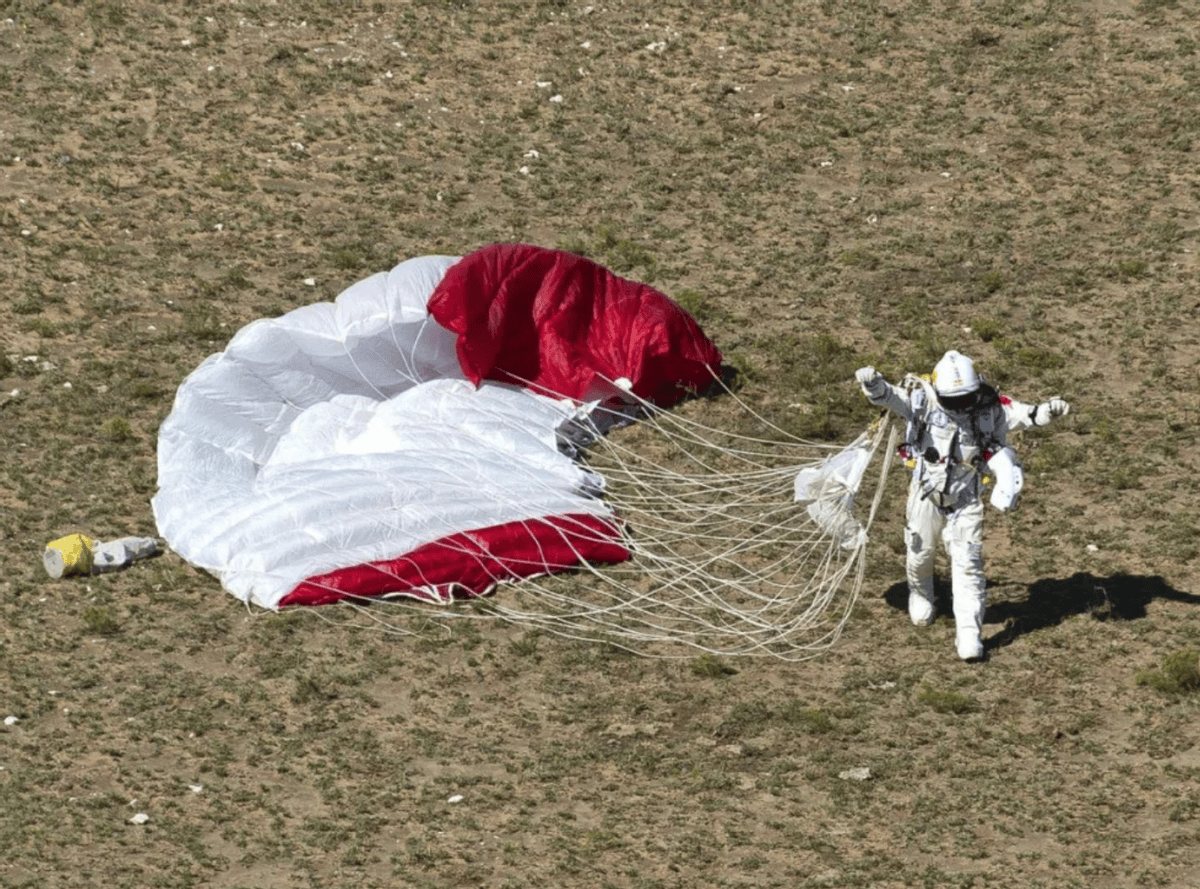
(987, 329)
(695, 304)
(744, 370)
(813, 720)
(1180, 673)
(98, 621)
(947, 701)
(526, 646)
(747, 718)
(1131, 268)
(619, 253)
(201, 322)
(1052, 455)
(118, 429)
(814, 361)
(991, 282)
(1031, 359)
(859, 257)
(710, 666)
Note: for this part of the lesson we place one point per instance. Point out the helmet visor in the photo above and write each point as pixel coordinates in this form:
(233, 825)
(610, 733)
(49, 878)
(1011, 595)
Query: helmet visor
(962, 402)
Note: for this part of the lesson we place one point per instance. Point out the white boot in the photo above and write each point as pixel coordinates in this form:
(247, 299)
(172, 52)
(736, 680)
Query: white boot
(970, 647)
(921, 610)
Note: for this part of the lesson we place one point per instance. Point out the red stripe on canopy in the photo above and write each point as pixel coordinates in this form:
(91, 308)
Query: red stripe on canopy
(470, 563)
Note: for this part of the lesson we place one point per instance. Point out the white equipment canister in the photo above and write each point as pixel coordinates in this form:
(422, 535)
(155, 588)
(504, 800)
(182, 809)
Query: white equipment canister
(1010, 478)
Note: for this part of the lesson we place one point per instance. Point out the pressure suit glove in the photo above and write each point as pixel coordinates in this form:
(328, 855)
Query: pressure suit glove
(1049, 410)
(871, 380)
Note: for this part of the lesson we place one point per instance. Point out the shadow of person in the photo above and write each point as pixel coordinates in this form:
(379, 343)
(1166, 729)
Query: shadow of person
(897, 596)
(1052, 600)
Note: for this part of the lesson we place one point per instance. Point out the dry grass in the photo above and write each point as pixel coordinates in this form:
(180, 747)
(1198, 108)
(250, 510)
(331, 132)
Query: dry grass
(863, 181)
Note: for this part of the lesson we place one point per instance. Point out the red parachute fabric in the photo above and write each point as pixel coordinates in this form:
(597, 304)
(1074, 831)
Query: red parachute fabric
(472, 562)
(560, 325)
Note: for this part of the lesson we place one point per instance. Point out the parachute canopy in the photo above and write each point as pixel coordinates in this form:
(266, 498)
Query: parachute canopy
(416, 436)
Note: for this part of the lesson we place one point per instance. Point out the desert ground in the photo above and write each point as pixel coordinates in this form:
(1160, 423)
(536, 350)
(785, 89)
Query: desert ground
(824, 185)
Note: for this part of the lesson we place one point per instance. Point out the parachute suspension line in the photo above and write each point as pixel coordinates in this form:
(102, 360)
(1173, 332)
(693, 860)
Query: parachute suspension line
(405, 356)
(724, 560)
(768, 599)
(364, 377)
(781, 434)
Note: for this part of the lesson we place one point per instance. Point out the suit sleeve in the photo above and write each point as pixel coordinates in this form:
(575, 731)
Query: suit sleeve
(896, 400)
(1018, 414)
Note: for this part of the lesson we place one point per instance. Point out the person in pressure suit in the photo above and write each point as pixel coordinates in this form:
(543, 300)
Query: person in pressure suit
(957, 429)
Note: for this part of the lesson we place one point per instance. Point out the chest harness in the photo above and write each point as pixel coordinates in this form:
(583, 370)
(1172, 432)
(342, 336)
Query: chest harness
(945, 467)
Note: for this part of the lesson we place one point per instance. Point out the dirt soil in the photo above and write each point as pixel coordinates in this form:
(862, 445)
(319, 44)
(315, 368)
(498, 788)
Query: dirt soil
(824, 185)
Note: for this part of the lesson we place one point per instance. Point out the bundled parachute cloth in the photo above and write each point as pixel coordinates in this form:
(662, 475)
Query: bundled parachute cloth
(409, 438)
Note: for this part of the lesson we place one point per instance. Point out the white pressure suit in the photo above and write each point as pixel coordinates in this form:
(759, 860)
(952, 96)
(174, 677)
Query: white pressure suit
(957, 432)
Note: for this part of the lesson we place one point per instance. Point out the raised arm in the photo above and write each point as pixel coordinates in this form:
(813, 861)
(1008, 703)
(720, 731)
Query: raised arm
(879, 391)
(1021, 415)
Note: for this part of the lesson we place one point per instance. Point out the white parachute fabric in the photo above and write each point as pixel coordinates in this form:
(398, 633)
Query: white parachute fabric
(354, 480)
(828, 489)
(344, 433)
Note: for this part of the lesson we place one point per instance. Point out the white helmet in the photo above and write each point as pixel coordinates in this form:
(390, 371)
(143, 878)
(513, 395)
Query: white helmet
(955, 381)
